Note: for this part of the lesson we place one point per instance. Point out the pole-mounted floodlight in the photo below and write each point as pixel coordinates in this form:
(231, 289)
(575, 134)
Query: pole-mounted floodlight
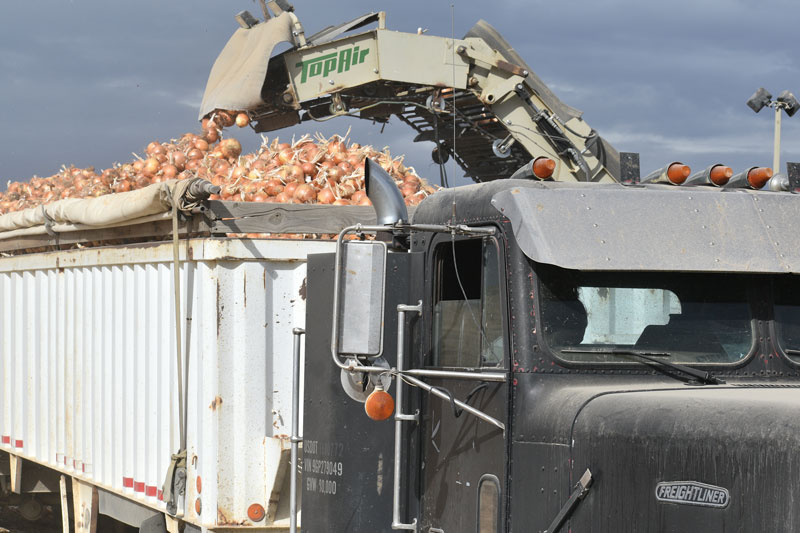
(790, 103)
(759, 99)
(786, 101)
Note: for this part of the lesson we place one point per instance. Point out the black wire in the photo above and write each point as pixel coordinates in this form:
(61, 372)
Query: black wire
(441, 163)
(456, 410)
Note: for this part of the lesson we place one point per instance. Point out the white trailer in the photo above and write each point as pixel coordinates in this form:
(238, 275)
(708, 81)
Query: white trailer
(88, 371)
(89, 388)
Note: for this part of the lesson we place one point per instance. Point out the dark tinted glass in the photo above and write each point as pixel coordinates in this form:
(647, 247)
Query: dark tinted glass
(787, 314)
(692, 318)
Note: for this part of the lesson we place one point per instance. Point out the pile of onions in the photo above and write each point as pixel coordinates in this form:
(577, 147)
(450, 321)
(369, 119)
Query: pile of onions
(310, 170)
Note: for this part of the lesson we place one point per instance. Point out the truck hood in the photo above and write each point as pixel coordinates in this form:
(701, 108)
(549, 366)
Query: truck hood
(704, 459)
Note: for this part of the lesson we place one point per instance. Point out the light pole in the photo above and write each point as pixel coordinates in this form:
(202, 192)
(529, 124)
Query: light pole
(786, 101)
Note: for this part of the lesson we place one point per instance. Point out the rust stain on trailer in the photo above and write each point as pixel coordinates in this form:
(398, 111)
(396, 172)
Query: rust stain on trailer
(216, 403)
(223, 520)
(244, 289)
(303, 289)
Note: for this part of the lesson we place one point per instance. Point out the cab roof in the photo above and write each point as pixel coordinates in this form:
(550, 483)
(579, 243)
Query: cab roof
(604, 227)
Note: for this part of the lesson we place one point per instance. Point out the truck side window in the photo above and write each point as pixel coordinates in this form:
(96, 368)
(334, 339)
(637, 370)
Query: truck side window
(468, 318)
(488, 504)
(693, 317)
(787, 315)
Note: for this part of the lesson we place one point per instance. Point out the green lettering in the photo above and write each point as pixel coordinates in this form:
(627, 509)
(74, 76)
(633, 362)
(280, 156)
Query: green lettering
(330, 63)
(344, 60)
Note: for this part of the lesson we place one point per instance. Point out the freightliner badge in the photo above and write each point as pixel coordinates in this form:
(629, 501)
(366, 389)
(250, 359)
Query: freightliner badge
(692, 493)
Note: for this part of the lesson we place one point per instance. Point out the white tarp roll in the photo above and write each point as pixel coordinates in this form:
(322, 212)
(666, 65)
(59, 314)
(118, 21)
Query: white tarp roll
(103, 211)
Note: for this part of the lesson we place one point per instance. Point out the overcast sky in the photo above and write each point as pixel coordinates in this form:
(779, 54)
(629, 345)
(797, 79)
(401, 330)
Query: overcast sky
(87, 82)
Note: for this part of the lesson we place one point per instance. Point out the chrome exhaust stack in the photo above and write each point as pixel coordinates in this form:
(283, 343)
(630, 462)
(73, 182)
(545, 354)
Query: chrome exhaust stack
(390, 208)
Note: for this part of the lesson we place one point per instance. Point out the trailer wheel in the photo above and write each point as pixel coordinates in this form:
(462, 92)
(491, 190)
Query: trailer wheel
(31, 509)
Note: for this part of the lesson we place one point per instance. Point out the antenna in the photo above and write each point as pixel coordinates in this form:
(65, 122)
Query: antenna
(453, 95)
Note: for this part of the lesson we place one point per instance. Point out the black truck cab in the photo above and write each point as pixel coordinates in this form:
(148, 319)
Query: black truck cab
(634, 352)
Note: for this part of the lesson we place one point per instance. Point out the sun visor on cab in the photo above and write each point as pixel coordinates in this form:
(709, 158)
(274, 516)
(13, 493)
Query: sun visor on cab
(601, 228)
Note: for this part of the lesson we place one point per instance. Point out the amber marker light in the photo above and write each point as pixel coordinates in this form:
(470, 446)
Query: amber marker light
(543, 167)
(678, 172)
(720, 175)
(757, 177)
(256, 512)
(379, 404)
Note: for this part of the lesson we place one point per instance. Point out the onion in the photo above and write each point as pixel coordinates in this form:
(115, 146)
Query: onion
(242, 120)
(178, 158)
(151, 166)
(326, 196)
(309, 169)
(225, 119)
(273, 187)
(169, 171)
(285, 156)
(290, 188)
(295, 173)
(346, 167)
(230, 148)
(357, 196)
(304, 194)
(407, 190)
(211, 135)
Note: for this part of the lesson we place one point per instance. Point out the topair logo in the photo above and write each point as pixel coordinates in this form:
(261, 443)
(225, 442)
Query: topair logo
(340, 61)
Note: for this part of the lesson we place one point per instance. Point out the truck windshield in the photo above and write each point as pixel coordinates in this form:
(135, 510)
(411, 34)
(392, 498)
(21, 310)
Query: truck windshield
(787, 315)
(690, 318)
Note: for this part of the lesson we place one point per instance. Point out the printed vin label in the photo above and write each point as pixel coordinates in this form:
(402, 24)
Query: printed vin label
(692, 493)
(323, 466)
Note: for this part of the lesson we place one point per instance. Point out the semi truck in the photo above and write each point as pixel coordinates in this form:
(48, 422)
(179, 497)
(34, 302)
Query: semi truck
(581, 351)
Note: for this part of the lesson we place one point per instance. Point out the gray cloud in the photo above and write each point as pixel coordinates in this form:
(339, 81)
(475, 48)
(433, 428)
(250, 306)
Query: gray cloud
(87, 82)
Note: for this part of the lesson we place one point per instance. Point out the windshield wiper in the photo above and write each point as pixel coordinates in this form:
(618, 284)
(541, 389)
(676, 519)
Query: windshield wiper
(700, 375)
(791, 351)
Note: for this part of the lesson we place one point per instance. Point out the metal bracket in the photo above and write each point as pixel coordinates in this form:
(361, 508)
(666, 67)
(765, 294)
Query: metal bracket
(337, 106)
(502, 148)
(435, 103)
(408, 418)
(581, 488)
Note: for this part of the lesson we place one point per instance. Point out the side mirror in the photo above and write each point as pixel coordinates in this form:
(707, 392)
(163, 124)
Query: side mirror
(362, 281)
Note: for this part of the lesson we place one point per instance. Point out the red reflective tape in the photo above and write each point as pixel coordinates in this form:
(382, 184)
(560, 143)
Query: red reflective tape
(138, 486)
(75, 464)
(18, 444)
(151, 490)
(161, 495)
(127, 482)
(6, 439)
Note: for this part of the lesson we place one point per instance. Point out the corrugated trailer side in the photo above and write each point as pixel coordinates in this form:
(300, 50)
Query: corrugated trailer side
(88, 369)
